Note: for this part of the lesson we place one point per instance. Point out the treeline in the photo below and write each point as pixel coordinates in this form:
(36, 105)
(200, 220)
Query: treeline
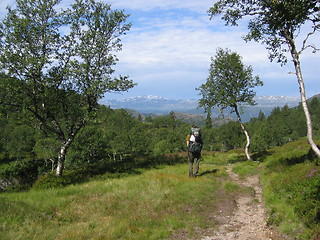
(283, 125)
(112, 135)
(115, 141)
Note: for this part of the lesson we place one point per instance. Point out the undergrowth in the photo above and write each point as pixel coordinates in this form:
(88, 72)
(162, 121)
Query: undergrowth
(291, 189)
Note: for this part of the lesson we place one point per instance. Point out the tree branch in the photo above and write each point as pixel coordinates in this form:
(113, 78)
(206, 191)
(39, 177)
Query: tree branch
(304, 46)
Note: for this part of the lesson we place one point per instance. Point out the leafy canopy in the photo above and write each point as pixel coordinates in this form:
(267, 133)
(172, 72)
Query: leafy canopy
(58, 65)
(272, 22)
(230, 82)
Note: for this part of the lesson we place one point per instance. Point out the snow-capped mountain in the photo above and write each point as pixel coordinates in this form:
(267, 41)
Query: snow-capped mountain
(153, 104)
(161, 105)
(277, 101)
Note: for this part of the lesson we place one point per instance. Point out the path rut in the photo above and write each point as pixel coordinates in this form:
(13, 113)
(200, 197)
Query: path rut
(248, 222)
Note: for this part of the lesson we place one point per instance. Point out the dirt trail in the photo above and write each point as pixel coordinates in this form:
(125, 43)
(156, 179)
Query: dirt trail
(248, 222)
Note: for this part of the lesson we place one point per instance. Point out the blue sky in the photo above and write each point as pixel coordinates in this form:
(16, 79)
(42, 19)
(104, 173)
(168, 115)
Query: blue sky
(169, 48)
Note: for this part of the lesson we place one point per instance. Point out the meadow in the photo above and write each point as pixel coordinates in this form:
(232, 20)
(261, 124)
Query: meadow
(150, 205)
(164, 203)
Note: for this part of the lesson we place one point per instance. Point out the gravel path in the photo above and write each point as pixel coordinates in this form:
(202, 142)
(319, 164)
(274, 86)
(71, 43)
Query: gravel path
(248, 222)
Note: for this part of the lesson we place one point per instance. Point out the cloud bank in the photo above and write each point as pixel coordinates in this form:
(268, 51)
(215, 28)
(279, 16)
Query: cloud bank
(169, 48)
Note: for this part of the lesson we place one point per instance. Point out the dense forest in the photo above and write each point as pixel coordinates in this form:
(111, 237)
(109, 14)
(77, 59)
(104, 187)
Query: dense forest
(115, 141)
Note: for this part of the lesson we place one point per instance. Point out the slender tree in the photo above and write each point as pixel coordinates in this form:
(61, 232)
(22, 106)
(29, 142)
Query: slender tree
(229, 85)
(57, 65)
(279, 24)
(208, 119)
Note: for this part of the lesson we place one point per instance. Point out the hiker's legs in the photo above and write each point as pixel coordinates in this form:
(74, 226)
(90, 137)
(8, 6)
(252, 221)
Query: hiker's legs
(196, 162)
(190, 168)
(190, 159)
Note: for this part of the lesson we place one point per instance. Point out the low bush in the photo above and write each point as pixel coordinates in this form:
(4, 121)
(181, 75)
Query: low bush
(18, 175)
(50, 180)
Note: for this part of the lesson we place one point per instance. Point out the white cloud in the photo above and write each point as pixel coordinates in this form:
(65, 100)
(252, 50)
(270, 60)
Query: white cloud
(146, 5)
(170, 46)
(172, 42)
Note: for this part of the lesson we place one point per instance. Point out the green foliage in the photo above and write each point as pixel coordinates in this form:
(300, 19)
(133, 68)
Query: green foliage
(59, 63)
(230, 82)
(208, 120)
(18, 175)
(50, 180)
(20, 140)
(279, 25)
(292, 194)
(103, 144)
(230, 136)
(113, 142)
(284, 125)
(211, 140)
(271, 22)
(46, 149)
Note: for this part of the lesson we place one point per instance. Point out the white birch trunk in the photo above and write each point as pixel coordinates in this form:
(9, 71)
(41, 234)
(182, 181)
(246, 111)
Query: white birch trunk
(246, 149)
(62, 157)
(64, 148)
(296, 61)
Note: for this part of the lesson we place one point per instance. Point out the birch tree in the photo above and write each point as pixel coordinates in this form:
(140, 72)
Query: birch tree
(58, 64)
(280, 25)
(229, 85)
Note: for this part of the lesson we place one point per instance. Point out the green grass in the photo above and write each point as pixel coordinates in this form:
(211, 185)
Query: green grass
(291, 190)
(151, 205)
(221, 158)
(156, 203)
(246, 168)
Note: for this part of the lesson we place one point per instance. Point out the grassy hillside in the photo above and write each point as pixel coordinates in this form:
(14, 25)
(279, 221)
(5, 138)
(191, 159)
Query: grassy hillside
(152, 205)
(291, 182)
(164, 203)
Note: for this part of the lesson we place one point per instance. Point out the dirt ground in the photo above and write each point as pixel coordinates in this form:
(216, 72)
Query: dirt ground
(248, 220)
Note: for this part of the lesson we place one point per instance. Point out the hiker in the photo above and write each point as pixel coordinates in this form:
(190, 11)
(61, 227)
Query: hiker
(194, 144)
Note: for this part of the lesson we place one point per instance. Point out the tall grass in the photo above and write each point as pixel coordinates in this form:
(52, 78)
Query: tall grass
(292, 190)
(151, 205)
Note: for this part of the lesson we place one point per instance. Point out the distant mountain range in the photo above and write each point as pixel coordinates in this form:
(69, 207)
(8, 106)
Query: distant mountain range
(160, 105)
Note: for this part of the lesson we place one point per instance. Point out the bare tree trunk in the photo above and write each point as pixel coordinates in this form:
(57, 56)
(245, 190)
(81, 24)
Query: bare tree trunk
(52, 164)
(246, 150)
(62, 156)
(296, 61)
(64, 147)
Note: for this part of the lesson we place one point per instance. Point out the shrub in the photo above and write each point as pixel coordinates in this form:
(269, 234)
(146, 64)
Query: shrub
(50, 180)
(18, 175)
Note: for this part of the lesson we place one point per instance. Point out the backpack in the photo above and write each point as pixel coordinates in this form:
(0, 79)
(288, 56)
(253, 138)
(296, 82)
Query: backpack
(196, 132)
(195, 147)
